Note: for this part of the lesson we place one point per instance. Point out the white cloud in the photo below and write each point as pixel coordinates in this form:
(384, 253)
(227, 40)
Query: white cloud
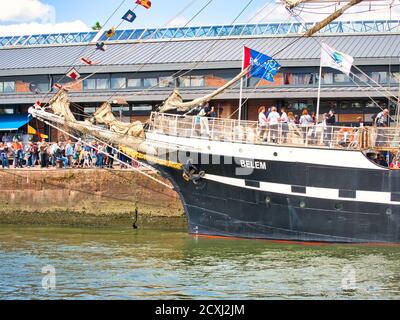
(26, 11)
(178, 22)
(40, 28)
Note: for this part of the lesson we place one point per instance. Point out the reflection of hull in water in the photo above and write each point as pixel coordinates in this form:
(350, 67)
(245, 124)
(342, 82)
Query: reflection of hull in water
(289, 200)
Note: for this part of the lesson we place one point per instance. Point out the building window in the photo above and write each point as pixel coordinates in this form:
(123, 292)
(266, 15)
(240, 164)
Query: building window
(192, 81)
(167, 82)
(327, 78)
(134, 83)
(118, 83)
(394, 77)
(7, 110)
(341, 78)
(296, 79)
(379, 77)
(102, 83)
(150, 82)
(89, 110)
(7, 86)
(89, 84)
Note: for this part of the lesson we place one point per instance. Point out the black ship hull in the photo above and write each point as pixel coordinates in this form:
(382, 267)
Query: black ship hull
(223, 204)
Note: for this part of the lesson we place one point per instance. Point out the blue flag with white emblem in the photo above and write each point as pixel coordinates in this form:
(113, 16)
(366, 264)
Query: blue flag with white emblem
(130, 16)
(261, 65)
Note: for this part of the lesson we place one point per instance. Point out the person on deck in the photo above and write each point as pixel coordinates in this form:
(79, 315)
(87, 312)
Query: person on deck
(284, 119)
(262, 122)
(381, 121)
(273, 122)
(306, 121)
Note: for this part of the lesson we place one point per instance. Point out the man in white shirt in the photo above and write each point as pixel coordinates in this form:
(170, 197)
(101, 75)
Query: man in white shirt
(273, 121)
(284, 125)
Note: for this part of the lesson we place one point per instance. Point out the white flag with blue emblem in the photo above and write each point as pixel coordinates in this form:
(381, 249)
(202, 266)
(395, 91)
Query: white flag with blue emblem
(335, 59)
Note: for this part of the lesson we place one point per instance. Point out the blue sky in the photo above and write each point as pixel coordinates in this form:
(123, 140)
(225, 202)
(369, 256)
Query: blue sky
(44, 16)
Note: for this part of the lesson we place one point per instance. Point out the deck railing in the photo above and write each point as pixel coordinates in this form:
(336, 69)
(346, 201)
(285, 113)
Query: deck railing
(333, 137)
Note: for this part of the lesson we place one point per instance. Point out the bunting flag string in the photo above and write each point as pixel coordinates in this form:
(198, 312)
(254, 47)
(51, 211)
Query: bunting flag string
(110, 33)
(129, 16)
(144, 3)
(101, 46)
(33, 131)
(73, 74)
(88, 61)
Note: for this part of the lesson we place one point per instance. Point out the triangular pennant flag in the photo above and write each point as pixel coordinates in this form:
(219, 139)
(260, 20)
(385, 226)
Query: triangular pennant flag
(129, 16)
(88, 61)
(101, 46)
(73, 74)
(144, 3)
(110, 33)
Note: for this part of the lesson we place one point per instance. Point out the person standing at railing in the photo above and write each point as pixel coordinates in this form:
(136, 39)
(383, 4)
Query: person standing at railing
(306, 121)
(381, 121)
(284, 119)
(262, 122)
(204, 114)
(273, 122)
(330, 122)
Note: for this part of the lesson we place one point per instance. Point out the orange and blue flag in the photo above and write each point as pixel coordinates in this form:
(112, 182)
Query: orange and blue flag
(144, 3)
(261, 65)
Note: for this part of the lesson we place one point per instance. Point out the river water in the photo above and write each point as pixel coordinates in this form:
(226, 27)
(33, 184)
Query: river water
(74, 263)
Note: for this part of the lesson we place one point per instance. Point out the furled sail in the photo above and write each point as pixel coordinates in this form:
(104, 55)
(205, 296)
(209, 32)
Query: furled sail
(60, 105)
(175, 101)
(104, 115)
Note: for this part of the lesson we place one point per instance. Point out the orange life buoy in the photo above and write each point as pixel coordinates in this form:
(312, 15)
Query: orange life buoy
(346, 135)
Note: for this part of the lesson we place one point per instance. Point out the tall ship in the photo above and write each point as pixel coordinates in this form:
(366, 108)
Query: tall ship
(239, 178)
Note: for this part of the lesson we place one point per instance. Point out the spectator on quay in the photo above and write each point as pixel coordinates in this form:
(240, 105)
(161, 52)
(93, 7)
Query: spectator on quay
(111, 151)
(69, 153)
(53, 156)
(4, 155)
(35, 154)
(43, 153)
(18, 154)
(59, 156)
(29, 155)
(100, 156)
(77, 153)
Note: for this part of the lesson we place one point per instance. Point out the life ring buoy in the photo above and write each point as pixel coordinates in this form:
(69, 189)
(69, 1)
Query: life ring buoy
(346, 135)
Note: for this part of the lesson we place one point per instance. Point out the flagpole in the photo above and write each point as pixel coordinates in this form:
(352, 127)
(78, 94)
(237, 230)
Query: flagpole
(241, 90)
(319, 92)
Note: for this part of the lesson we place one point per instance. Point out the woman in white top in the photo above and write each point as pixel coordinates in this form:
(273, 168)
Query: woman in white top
(284, 125)
(305, 121)
(273, 121)
(262, 122)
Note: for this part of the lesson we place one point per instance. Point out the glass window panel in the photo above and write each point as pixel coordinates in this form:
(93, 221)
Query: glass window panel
(9, 86)
(184, 81)
(341, 78)
(1, 87)
(197, 81)
(394, 77)
(327, 78)
(89, 110)
(89, 84)
(134, 83)
(6, 110)
(295, 79)
(118, 83)
(379, 77)
(102, 83)
(167, 82)
(150, 82)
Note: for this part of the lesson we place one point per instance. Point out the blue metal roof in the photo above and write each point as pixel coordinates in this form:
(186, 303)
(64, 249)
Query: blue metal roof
(10, 122)
(263, 29)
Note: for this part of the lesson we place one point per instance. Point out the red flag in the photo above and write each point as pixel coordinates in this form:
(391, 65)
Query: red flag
(57, 86)
(144, 3)
(88, 61)
(37, 105)
(73, 74)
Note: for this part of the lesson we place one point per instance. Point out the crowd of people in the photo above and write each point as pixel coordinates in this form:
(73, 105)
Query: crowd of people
(60, 155)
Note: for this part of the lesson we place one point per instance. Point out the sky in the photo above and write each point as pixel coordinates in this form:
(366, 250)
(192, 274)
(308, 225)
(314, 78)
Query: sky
(24, 17)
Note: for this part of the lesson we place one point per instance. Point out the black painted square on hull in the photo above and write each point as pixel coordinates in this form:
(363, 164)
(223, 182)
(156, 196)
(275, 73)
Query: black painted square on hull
(298, 189)
(350, 194)
(252, 183)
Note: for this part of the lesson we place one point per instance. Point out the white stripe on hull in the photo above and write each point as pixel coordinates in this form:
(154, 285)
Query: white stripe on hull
(311, 192)
(317, 156)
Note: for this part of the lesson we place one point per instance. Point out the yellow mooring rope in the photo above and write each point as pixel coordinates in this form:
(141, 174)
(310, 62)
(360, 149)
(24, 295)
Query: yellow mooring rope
(141, 156)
